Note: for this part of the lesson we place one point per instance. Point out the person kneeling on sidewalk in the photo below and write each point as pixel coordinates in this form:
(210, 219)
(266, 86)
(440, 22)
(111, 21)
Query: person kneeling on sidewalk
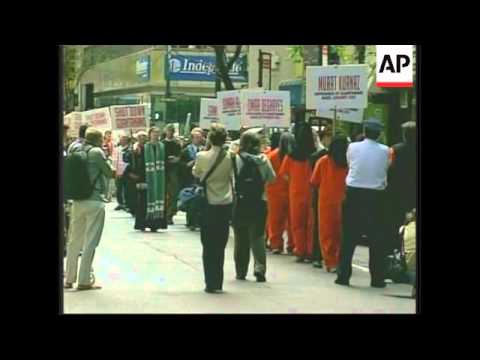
(252, 170)
(88, 214)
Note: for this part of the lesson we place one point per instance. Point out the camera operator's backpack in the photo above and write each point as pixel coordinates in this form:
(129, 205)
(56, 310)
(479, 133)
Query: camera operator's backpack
(249, 188)
(76, 180)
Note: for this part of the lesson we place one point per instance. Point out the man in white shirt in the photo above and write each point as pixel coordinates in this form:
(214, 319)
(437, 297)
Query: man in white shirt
(362, 209)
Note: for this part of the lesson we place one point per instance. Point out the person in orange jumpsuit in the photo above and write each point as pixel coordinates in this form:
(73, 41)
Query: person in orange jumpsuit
(277, 195)
(297, 170)
(329, 176)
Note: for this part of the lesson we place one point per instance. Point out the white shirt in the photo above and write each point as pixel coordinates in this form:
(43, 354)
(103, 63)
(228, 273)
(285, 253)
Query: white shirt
(368, 165)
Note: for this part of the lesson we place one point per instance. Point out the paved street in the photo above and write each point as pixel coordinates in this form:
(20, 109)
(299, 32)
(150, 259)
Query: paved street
(162, 273)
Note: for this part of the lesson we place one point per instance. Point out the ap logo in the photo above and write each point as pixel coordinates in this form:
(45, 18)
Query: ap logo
(395, 66)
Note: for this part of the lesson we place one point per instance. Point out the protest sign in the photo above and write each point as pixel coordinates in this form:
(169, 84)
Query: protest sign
(349, 115)
(230, 109)
(74, 121)
(98, 118)
(126, 117)
(209, 112)
(337, 86)
(265, 108)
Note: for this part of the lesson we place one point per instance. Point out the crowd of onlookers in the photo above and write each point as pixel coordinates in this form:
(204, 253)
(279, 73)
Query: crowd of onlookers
(324, 192)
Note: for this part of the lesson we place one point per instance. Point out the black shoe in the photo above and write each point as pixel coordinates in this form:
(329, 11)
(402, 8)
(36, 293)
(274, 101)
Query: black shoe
(342, 282)
(276, 252)
(170, 222)
(240, 278)
(213, 291)
(299, 259)
(260, 277)
(119, 207)
(378, 284)
(317, 264)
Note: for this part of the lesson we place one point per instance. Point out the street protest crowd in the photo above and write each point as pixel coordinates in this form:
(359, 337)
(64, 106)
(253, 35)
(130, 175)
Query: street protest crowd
(325, 192)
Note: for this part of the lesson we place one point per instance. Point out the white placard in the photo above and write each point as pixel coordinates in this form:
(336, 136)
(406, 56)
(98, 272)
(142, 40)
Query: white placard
(209, 112)
(341, 86)
(269, 108)
(74, 120)
(230, 109)
(349, 115)
(98, 118)
(129, 117)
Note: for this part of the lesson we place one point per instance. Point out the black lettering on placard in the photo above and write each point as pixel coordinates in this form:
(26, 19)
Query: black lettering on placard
(387, 63)
(405, 64)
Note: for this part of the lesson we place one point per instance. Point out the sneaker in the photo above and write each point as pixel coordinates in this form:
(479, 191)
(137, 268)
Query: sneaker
(276, 252)
(317, 264)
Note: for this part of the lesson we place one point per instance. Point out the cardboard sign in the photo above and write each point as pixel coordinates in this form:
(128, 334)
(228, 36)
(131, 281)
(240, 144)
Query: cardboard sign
(265, 108)
(74, 120)
(98, 118)
(128, 117)
(340, 86)
(230, 109)
(349, 115)
(209, 112)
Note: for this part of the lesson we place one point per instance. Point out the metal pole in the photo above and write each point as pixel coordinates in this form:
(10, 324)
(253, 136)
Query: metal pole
(270, 73)
(334, 120)
(260, 68)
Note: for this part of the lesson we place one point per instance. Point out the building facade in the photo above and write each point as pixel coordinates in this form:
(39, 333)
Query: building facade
(169, 79)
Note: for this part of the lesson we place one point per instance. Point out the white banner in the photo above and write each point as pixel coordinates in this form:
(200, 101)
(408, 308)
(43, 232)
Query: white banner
(209, 112)
(349, 115)
(74, 120)
(98, 118)
(230, 109)
(125, 117)
(270, 108)
(341, 86)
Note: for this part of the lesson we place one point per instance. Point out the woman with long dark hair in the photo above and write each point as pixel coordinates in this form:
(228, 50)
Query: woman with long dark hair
(277, 195)
(297, 171)
(329, 177)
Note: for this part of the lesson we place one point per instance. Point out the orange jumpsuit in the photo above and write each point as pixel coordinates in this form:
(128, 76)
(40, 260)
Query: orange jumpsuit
(300, 204)
(330, 178)
(277, 195)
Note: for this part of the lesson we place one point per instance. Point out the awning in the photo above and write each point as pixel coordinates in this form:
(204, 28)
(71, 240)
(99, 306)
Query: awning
(297, 90)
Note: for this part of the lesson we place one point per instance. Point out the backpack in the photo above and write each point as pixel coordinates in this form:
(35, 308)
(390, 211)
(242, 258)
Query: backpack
(249, 188)
(76, 181)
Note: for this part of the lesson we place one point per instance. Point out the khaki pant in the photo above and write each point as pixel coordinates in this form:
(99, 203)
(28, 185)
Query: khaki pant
(86, 227)
(251, 236)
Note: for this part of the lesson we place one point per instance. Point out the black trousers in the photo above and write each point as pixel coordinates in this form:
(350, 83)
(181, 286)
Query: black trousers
(120, 183)
(362, 215)
(214, 231)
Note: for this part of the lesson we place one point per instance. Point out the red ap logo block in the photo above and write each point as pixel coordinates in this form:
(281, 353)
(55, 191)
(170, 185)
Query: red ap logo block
(395, 66)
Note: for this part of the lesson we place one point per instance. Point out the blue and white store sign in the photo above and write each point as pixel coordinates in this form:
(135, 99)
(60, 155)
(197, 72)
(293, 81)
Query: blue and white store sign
(143, 67)
(202, 68)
